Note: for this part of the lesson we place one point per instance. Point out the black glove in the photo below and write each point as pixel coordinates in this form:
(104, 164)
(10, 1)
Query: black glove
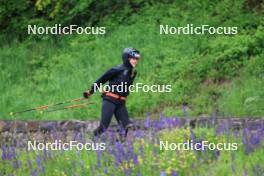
(86, 94)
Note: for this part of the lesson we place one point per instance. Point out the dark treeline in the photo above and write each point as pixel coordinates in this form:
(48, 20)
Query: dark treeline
(16, 15)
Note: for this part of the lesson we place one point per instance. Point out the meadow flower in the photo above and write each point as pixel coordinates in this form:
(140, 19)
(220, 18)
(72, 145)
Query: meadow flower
(29, 162)
(138, 174)
(127, 171)
(141, 149)
(245, 140)
(98, 152)
(255, 139)
(38, 160)
(118, 158)
(130, 148)
(174, 173)
(4, 156)
(218, 130)
(147, 122)
(135, 159)
(105, 170)
(34, 173)
(193, 137)
(9, 152)
(15, 164)
(162, 173)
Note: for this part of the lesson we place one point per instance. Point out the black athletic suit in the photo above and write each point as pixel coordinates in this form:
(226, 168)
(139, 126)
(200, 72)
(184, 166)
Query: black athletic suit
(123, 73)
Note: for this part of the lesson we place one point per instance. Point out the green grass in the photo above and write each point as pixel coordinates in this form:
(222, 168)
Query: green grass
(206, 72)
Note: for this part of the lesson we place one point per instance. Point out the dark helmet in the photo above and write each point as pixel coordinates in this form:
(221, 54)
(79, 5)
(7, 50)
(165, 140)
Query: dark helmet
(134, 54)
(130, 53)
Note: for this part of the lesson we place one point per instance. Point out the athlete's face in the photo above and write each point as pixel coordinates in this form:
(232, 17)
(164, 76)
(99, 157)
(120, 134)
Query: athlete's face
(133, 61)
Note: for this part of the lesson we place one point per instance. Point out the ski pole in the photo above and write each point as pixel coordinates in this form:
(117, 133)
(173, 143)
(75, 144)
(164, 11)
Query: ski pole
(47, 106)
(71, 106)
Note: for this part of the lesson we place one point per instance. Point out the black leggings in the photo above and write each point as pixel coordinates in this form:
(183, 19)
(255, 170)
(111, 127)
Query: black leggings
(108, 109)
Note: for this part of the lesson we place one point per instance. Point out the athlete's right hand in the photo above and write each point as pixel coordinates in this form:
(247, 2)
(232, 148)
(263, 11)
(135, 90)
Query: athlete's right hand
(87, 94)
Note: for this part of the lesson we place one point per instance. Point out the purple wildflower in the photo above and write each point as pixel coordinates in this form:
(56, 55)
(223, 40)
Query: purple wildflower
(127, 171)
(138, 134)
(245, 140)
(98, 158)
(130, 149)
(138, 174)
(34, 173)
(255, 139)
(106, 170)
(147, 122)
(174, 173)
(3, 153)
(135, 159)
(38, 160)
(141, 149)
(193, 137)
(15, 164)
(218, 130)
(162, 173)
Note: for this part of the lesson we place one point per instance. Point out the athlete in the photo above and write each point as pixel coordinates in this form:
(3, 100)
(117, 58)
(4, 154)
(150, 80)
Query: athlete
(120, 78)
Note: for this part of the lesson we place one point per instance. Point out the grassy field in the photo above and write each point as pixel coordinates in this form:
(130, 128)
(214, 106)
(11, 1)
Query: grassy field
(209, 73)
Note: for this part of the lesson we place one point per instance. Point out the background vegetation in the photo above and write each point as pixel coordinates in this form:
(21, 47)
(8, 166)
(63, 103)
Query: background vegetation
(209, 73)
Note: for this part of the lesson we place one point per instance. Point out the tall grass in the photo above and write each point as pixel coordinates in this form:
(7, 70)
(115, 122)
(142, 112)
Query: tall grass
(41, 71)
